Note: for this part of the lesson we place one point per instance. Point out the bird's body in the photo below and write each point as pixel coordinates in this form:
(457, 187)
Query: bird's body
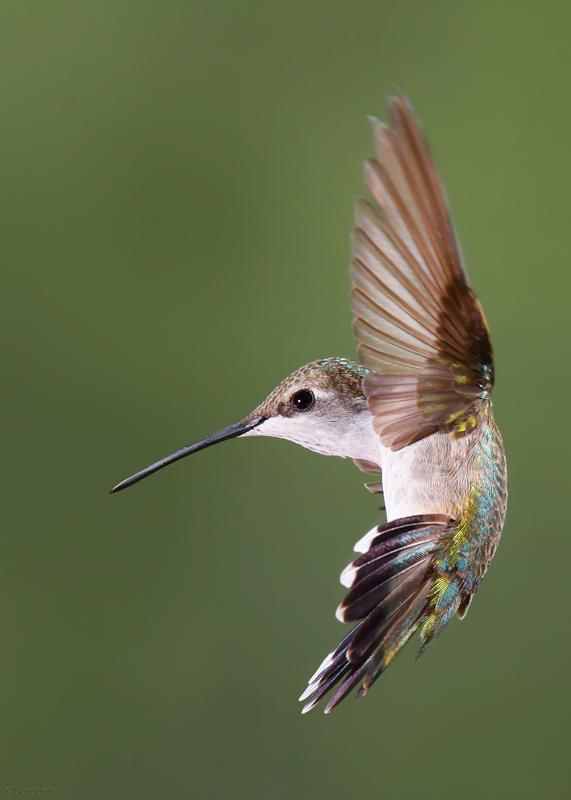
(417, 410)
(465, 479)
(441, 473)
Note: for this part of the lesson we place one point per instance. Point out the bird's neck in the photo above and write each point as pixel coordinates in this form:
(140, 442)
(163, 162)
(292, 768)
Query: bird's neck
(352, 438)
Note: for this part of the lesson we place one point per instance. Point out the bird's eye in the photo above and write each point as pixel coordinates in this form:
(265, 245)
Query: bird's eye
(303, 400)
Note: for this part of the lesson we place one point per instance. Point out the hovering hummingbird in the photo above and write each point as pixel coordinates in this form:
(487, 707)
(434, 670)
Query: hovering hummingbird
(417, 410)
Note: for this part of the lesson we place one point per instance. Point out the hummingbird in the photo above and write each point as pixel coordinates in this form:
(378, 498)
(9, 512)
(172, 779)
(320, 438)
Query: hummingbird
(415, 411)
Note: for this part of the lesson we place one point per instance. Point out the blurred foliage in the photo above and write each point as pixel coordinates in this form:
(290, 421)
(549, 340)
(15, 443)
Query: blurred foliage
(177, 188)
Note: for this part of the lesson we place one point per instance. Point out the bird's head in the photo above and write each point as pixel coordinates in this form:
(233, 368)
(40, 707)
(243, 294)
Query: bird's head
(320, 406)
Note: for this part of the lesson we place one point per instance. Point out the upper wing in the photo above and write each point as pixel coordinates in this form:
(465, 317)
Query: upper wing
(418, 323)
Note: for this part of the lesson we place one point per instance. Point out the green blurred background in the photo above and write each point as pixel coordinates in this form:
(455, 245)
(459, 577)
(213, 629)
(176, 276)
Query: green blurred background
(176, 201)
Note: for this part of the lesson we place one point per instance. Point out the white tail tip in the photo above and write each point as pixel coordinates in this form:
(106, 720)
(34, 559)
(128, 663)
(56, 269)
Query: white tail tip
(364, 542)
(348, 576)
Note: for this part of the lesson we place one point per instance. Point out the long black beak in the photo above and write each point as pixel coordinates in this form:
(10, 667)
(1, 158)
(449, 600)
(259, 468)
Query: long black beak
(231, 432)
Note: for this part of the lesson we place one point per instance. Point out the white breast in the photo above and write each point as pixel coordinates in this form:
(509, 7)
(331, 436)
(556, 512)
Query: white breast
(430, 476)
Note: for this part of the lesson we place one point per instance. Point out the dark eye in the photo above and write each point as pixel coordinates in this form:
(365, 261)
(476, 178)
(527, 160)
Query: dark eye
(303, 400)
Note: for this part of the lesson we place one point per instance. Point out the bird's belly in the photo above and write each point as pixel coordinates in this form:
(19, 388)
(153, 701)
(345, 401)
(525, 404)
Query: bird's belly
(430, 476)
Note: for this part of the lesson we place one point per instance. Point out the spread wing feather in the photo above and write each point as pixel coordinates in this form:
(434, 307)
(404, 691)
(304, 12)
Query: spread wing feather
(419, 325)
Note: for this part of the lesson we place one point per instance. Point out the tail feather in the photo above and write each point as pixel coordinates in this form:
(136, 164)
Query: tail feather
(380, 621)
(396, 589)
(401, 631)
(386, 555)
(346, 687)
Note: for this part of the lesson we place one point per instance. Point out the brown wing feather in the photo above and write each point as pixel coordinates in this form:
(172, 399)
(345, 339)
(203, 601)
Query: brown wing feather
(419, 325)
